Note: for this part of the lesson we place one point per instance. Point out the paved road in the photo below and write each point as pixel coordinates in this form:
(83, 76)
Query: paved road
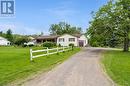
(83, 69)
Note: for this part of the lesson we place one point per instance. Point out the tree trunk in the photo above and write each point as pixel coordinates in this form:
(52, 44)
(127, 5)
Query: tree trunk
(126, 42)
(126, 45)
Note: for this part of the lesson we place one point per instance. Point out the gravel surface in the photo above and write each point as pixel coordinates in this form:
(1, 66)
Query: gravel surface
(83, 69)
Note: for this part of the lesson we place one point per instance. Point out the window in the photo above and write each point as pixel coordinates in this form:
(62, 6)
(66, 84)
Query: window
(61, 40)
(71, 39)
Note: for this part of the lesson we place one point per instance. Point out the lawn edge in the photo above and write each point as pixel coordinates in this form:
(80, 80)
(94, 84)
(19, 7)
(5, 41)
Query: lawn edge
(104, 71)
(109, 73)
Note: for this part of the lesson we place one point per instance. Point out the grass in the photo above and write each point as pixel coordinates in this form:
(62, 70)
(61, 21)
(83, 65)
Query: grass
(117, 64)
(15, 63)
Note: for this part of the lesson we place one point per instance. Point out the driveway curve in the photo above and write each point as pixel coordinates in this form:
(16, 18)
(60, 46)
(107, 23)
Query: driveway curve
(83, 69)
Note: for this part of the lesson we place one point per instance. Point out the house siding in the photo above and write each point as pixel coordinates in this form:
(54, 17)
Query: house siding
(66, 41)
(4, 41)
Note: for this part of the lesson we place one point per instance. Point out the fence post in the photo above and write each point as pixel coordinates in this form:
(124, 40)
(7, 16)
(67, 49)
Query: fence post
(47, 51)
(57, 50)
(31, 56)
(63, 49)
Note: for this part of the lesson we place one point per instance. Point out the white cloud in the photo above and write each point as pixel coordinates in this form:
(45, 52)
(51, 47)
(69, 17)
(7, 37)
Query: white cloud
(18, 28)
(5, 27)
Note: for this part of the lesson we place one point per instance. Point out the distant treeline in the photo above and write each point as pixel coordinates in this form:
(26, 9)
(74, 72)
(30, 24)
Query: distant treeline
(55, 29)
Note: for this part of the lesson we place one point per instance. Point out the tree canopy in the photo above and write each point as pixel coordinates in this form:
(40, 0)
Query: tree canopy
(62, 28)
(111, 24)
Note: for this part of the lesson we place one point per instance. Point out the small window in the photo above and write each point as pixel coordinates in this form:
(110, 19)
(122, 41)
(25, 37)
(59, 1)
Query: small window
(71, 39)
(61, 40)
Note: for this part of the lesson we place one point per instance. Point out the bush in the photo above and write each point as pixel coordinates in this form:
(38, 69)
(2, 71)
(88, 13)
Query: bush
(24, 45)
(72, 45)
(21, 41)
(54, 44)
(31, 45)
(49, 44)
(59, 45)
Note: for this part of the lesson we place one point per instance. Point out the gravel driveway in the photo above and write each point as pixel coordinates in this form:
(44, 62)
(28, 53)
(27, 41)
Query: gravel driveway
(83, 69)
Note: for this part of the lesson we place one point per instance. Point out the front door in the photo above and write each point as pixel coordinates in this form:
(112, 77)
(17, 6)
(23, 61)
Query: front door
(81, 43)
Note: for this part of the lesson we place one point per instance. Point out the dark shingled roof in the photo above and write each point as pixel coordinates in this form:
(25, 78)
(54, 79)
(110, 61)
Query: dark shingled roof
(48, 37)
(55, 36)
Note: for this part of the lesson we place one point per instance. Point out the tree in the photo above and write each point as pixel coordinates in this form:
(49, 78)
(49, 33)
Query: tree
(1, 33)
(9, 35)
(114, 17)
(62, 28)
(21, 40)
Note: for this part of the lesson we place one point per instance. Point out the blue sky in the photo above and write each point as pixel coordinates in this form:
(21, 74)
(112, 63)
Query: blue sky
(36, 16)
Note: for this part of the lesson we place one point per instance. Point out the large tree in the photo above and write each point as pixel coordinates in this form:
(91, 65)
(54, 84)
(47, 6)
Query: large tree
(112, 18)
(62, 28)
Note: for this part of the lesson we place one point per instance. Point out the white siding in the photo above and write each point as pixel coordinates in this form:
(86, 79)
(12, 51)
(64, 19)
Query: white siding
(66, 41)
(84, 39)
(4, 41)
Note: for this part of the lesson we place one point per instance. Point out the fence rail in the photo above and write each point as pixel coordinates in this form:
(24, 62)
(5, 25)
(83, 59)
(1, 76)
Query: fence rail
(47, 51)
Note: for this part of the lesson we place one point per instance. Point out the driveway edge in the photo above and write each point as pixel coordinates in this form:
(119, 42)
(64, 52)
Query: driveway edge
(103, 70)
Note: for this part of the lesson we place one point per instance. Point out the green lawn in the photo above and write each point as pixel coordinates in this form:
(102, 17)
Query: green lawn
(117, 64)
(15, 63)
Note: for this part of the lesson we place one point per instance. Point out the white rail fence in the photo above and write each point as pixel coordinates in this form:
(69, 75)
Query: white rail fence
(48, 51)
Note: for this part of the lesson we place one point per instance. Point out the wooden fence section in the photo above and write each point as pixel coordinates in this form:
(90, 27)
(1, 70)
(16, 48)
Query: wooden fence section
(47, 51)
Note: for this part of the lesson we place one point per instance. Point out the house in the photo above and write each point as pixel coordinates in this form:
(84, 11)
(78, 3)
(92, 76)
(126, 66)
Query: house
(64, 40)
(32, 41)
(4, 41)
(77, 40)
(50, 38)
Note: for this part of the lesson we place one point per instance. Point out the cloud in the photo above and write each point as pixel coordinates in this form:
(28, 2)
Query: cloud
(5, 27)
(18, 28)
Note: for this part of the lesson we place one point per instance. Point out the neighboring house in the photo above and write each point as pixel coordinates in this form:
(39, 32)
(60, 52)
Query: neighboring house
(31, 42)
(4, 41)
(65, 40)
(51, 38)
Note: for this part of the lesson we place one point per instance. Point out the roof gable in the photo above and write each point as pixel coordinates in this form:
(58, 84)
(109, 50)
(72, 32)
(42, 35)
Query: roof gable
(2, 38)
(48, 37)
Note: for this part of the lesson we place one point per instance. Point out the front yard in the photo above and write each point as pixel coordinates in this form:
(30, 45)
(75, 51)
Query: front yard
(117, 64)
(15, 63)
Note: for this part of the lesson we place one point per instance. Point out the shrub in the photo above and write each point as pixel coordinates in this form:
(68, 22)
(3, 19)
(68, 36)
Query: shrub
(24, 45)
(72, 45)
(21, 41)
(59, 45)
(49, 44)
(31, 45)
(54, 44)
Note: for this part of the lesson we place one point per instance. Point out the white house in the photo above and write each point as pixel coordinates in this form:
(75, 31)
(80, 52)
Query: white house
(64, 40)
(77, 40)
(4, 41)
